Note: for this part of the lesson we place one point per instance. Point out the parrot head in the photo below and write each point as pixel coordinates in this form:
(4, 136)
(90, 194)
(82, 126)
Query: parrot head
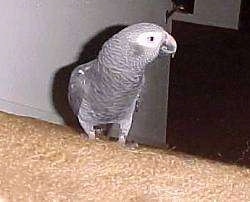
(151, 38)
(139, 44)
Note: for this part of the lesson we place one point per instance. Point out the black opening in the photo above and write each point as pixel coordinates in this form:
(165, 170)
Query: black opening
(187, 4)
(209, 99)
(244, 24)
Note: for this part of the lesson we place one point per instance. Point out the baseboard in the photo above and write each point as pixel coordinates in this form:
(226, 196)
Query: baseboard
(24, 110)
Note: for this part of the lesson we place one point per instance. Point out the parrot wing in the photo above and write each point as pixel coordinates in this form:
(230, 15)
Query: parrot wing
(79, 86)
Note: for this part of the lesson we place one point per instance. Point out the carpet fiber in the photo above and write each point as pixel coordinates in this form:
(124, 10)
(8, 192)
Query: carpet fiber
(40, 161)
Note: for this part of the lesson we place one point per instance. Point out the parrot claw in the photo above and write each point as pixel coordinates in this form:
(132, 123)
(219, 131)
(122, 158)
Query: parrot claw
(130, 145)
(91, 135)
(122, 141)
(99, 131)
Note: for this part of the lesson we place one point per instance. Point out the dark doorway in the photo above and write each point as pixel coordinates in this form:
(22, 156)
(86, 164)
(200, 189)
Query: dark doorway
(209, 101)
(244, 24)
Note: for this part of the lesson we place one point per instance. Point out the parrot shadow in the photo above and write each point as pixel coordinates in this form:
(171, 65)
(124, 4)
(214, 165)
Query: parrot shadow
(61, 78)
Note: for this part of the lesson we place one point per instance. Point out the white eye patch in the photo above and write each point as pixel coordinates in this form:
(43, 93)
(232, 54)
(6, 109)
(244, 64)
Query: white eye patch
(150, 39)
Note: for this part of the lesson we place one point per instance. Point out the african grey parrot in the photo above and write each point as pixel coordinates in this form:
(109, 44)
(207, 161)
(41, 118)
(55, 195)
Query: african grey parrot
(106, 89)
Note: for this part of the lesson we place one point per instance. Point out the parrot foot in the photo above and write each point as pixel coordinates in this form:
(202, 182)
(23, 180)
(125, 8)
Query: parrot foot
(130, 145)
(122, 141)
(99, 131)
(91, 135)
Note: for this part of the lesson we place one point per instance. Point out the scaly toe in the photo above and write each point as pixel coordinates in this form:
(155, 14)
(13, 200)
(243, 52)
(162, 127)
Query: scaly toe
(132, 145)
(91, 136)
(129, 145)
(98, 131)
(122, 141)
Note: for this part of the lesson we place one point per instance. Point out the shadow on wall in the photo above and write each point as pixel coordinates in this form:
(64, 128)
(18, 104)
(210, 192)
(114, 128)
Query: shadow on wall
(60, 84)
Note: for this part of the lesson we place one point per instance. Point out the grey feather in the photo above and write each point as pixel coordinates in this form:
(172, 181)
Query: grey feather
(105, 90)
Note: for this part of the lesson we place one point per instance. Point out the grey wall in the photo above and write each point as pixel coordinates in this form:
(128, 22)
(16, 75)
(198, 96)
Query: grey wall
(39, 37)
(221, 13)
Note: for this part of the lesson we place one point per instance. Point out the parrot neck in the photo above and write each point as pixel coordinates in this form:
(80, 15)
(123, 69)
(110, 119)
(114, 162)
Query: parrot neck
(120, 78)
(120, 57)
(119, 70)
(121, 63)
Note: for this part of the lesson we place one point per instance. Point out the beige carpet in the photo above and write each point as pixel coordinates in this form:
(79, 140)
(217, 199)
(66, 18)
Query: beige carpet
(45, 162)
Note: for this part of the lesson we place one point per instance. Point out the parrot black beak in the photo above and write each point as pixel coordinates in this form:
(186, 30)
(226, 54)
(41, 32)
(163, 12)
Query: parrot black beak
(169, 46)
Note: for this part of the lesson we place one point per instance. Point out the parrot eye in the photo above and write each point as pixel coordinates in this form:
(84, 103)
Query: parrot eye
(151, 38)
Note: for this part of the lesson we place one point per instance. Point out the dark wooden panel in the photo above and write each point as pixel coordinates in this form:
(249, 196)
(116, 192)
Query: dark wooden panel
(244, 24)
(209, 101)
